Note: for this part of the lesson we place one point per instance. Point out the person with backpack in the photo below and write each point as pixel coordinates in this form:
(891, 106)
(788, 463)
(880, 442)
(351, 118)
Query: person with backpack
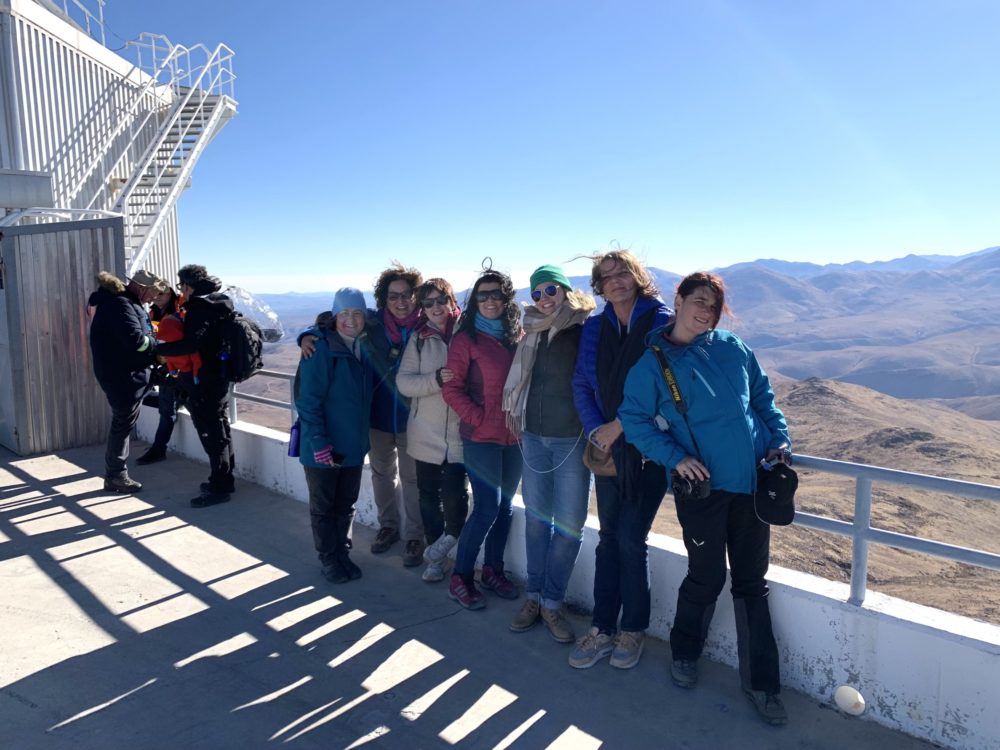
(206, 311)
(333, 394)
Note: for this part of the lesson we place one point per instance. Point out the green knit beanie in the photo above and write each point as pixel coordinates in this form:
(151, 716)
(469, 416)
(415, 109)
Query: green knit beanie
(550, 273)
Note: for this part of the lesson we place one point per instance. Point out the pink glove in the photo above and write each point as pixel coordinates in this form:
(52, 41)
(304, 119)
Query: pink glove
(324, 455)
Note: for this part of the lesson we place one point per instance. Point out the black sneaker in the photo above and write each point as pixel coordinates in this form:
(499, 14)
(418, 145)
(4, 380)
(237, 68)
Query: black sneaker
(385, 538)
(154, 454)
(206, 499)
(413, 555)
(122, 485)
(335, 573)
(769, 706)
(684, 673)
(206, 487)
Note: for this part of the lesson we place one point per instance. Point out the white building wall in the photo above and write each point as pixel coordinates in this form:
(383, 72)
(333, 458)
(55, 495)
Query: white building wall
(925, 672)
(62, 94)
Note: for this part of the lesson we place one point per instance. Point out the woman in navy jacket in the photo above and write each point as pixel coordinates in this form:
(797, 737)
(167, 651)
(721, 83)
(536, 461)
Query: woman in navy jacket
(731, 423)
(610, 344)
(333, 395)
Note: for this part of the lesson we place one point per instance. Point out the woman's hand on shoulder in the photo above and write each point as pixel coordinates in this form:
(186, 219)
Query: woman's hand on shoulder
(308, 346)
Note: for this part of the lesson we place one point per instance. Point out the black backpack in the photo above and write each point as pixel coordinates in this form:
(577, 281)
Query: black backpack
(242, 348)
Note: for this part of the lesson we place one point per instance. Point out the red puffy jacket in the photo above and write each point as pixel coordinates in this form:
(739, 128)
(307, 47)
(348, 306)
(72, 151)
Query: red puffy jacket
(476, 391)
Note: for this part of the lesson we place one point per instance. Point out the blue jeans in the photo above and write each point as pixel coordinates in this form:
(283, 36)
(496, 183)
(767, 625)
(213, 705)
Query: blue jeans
(494, 472)
(555, 503)
(621, 575)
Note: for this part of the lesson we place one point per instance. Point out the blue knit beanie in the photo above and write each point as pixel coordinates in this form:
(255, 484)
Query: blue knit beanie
(348, 298)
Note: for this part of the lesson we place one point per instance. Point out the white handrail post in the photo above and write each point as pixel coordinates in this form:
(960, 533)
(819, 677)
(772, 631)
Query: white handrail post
(232, 403)
(862, 524)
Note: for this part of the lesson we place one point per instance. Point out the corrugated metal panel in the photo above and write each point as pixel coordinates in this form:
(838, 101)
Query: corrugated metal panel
(49, 271)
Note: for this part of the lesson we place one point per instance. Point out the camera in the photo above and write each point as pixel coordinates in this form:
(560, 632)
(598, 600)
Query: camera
(689, 489)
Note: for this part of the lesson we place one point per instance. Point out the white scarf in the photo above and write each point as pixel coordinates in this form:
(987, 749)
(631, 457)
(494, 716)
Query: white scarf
(573, 311)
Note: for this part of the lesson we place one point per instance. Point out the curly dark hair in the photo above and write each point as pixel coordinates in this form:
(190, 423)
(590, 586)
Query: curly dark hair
(511, 315)
(643, 279)
(396, 272)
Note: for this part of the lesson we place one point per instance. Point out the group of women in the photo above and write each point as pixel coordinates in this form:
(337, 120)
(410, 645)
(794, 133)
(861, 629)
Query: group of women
(499, 399)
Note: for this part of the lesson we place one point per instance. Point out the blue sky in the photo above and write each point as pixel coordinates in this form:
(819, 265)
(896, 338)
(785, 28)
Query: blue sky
(698, 133)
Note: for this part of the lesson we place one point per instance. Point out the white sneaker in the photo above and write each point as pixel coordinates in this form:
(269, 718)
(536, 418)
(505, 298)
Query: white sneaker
(438, 551)
(435, 571)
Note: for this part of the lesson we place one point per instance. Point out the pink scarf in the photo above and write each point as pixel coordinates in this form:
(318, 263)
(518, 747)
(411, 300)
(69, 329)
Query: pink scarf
(425, 328)
(394, 324)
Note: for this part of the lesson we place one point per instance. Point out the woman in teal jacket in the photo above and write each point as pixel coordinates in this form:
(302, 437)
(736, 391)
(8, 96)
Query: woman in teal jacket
(731, 423)
(333, 394)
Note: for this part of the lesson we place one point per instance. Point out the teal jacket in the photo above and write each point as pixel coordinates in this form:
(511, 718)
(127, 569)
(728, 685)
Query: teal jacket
(333, 395)
(730, 404)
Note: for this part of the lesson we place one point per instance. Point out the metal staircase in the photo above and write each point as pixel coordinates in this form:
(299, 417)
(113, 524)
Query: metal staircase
(200, 83)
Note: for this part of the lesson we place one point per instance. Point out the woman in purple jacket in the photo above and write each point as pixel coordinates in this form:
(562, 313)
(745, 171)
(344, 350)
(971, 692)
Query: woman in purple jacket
(480, 357)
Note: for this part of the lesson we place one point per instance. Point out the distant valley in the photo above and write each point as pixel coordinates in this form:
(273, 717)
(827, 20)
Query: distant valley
(920, 327)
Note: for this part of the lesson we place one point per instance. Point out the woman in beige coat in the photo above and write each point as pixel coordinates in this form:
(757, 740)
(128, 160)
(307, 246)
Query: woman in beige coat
(433, 439)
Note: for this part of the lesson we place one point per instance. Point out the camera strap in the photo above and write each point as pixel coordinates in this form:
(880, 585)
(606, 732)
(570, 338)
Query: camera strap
(675, 393)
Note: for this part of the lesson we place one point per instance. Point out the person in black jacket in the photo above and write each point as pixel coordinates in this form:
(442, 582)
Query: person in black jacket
(205, 308)
(122, 345)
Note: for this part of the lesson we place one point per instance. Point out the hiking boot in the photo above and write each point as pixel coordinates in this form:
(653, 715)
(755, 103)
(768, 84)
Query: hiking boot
(493, 579)
(558, 625)
(526, 617)
(435, 571)
(123, 485)
(465, 593)
(769, 707)
(335, 573)
(384, 539)
(413, 554)
(439, 550)
(590, 649)
(628, 649)
(154, 454)
(684, 673)
(353, 571)
(206, 499)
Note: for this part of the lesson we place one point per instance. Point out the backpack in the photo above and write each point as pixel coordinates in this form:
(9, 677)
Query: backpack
(242, 347)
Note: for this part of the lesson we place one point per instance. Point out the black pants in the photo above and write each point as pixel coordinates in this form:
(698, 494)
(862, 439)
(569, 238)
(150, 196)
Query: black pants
(725, 522)
(124, 415)
(167, 407)
(444, 498)
(332, 494)
(208, 403)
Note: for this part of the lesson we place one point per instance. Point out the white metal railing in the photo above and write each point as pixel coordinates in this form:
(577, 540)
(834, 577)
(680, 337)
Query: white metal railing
(41, 215)
(78, 13)
(289, 404)
(860, 529)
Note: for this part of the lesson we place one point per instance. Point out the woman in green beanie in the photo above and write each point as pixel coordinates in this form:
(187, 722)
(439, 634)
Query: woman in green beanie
(555, 485)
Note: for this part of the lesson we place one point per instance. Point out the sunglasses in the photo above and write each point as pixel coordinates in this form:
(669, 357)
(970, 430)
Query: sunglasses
(550, 291)
(494, 294)
(397, 296)
(429, 302)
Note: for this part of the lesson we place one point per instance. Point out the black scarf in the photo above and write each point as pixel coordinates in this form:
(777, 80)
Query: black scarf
(615, 357)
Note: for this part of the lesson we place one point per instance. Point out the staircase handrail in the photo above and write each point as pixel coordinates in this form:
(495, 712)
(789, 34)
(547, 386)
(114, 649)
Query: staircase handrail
(126, 119)
(221, 55)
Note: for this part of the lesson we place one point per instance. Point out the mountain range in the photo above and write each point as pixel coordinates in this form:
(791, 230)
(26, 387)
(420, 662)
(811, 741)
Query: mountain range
(919, 327)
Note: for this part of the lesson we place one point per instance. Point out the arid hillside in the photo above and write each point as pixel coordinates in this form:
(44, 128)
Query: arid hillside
(847, 422)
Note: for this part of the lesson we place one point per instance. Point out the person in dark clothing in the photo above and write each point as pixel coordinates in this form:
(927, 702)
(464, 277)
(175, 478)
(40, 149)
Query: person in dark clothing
(122, 345)
(611, 343)
(207, 397)
(164, 304)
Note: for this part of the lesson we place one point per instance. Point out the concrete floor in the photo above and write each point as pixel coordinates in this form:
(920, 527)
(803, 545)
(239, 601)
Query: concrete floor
(139, 622)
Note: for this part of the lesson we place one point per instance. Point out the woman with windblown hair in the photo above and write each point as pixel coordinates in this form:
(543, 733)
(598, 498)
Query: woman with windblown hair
(555, 484)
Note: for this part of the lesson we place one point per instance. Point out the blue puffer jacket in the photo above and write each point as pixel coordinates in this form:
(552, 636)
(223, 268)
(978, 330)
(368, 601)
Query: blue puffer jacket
(333, 393)
(586, 395)
(730, 404)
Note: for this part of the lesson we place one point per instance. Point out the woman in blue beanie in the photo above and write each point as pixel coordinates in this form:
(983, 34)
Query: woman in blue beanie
(538, 401)
(333, 393)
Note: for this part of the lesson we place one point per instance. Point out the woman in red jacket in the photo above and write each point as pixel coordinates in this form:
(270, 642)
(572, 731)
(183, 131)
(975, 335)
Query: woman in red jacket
(480, 356)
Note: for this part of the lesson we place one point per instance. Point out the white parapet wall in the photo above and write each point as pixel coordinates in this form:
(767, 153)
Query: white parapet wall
(928, 673)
